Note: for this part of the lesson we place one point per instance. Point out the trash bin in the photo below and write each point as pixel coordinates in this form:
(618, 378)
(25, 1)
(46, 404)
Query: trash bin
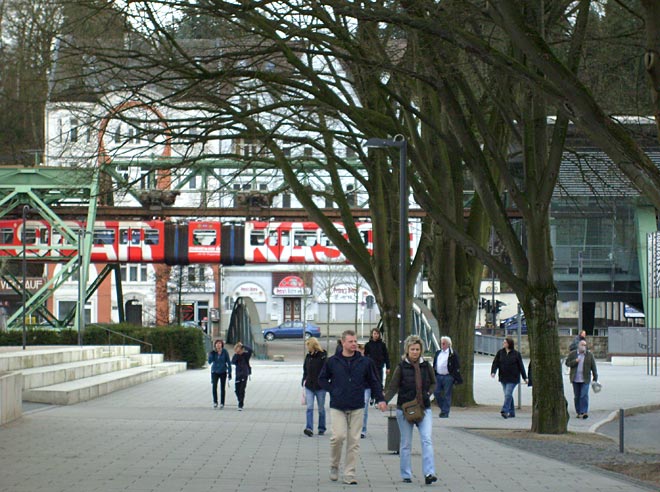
(393, 434)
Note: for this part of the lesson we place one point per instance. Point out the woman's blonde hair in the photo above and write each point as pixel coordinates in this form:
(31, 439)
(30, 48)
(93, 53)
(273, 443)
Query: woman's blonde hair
(313, 345)
(412, 340)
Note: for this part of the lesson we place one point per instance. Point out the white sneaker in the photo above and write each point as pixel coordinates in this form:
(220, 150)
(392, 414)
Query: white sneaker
(334, 474)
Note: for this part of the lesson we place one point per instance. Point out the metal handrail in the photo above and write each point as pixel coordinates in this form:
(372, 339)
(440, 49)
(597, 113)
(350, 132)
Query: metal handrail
(124, 337)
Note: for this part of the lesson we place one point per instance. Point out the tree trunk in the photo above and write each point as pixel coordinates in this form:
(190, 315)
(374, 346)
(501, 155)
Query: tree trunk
(549, 413)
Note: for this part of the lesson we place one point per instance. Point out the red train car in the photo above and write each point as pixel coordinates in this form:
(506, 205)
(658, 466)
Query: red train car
(158, 241)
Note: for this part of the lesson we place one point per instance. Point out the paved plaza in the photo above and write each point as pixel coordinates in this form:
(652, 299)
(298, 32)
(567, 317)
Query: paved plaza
(164, 436)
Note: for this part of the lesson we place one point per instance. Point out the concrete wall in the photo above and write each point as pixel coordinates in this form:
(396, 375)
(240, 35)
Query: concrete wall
(11, 391)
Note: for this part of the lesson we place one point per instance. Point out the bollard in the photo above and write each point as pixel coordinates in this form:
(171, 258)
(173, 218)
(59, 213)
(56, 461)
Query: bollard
(393, 434)
(621, 417)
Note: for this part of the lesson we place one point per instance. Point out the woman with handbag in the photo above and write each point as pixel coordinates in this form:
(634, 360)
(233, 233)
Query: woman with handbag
(413, 380)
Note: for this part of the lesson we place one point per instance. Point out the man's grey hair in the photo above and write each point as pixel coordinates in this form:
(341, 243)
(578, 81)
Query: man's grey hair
(446, 339)
(347, 333)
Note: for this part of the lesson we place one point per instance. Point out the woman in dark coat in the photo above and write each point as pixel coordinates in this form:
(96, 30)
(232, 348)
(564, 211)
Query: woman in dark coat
(414, 379)
(510, 366)
(241, 360)
(312, 366)
(220, 369)
(376, 350)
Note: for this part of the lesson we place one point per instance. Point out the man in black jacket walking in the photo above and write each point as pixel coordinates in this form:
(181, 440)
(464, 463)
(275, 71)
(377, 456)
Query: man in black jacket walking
(345, 376)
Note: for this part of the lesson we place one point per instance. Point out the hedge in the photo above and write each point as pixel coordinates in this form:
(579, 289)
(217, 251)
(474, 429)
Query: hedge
(174, 342)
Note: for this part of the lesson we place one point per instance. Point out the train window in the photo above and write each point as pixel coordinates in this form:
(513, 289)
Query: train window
(365, 237)
(6, 236)
(325, 241)
(123, 236)
(272, 238)
(304, 238)
(104, 236)
(285, 238)
(44, 236)
(30, 236)
(257, 238)
(151, 236)
(204, 237)
(135, 236)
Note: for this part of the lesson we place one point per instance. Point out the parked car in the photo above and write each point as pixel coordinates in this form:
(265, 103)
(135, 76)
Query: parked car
(292, 329)
(510, 325)
(187, 324)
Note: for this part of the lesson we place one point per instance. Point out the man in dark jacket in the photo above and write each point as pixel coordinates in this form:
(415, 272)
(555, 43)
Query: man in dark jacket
(583, 366)
(345, 376)
(447, 370)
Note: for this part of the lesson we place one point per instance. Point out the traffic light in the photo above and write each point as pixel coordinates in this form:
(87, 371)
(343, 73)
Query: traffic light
(482, 303)
(498, 306)
(487, 307)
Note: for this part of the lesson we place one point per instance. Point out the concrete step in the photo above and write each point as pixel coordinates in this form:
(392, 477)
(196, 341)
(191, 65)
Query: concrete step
(146, 359)
(38, 377)
(85, 389)
(17, 360)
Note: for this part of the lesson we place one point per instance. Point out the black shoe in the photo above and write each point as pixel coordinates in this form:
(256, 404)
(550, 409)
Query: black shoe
(320, 433)
(444, 415)
(362, 436)
(585, 416)
(407, 480)
(308, 432)
(429, 479)
(504, 415)
(511, 416)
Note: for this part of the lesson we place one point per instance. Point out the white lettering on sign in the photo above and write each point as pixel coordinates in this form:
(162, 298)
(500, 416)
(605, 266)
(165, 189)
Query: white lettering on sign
(32, 284)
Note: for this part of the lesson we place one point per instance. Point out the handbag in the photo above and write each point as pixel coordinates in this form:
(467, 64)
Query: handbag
(413, 411)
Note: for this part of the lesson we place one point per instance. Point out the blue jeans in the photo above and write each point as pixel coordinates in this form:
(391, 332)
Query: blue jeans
(406, 429)
(367, 399)
(443, 387)
(320, 401)
(508, 406)
(581, 397)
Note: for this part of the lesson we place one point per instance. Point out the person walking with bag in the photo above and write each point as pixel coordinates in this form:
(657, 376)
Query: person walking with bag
(583, 366)
(414, 381)
(510, 366)
(220, 369)
(312, 366)
(241, 360)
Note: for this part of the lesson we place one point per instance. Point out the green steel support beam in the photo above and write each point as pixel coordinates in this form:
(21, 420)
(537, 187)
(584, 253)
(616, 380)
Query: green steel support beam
(41, 188)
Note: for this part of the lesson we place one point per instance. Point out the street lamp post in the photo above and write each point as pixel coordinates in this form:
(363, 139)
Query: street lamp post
(400, 143)
(26, 209)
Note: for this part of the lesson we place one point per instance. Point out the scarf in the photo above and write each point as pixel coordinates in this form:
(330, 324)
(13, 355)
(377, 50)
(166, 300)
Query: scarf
(418, 383)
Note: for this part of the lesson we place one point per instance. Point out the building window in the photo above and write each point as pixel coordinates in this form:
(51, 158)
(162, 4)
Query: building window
(117, 136)
(134, 273)
(73, 133)
(308, 151)
(248, 147)
(286, 200)
(60, 130)
(350, 195)
(192, 183)
(350, 152)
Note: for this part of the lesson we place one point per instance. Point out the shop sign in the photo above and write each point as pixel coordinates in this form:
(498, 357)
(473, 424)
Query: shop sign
(250, 289)
(32, 284)
(291, 285)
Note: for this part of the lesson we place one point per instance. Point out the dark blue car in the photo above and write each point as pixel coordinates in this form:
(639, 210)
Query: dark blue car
(292, 329)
